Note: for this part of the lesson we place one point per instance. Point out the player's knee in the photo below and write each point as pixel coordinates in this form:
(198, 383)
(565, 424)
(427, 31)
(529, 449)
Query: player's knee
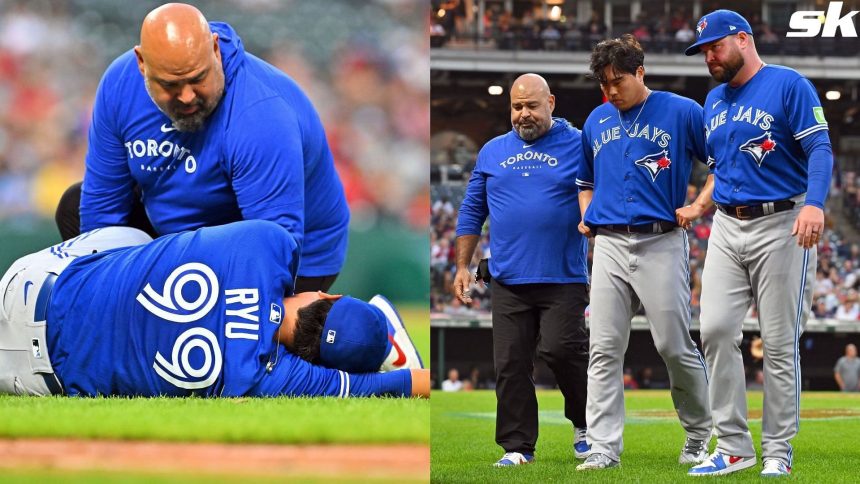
(715, 333)
(670, 353)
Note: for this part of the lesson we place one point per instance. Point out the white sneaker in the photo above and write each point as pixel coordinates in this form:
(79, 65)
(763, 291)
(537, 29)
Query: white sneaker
(596, 462)
(694, 452)
(774, 468)
(403, 352)
(581, 448)
(514, 459)
(719, 464)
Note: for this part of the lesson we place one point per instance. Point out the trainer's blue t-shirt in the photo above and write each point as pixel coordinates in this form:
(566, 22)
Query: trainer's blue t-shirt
(194, 313)
(262, 154)
(527, 188)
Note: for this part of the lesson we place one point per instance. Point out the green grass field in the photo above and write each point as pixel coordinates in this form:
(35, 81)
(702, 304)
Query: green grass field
(260, 420)
(463, 448)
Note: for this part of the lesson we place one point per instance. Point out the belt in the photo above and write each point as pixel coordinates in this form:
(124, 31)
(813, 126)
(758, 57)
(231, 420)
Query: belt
(749, 212)
(659, 227)
(40, 313)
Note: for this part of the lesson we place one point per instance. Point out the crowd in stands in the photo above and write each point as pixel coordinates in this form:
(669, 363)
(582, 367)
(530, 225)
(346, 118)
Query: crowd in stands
(364, 68)
(543, 29)
(837, 285)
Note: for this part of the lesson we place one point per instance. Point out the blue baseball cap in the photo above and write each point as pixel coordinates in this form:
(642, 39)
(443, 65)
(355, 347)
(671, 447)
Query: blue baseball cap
(716, 25)
(354, 337)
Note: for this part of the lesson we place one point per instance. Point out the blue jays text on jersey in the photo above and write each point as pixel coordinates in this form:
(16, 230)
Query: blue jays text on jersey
(639, 173)
(756, 134)
(527, 190)
(189, 313)
(261, 154)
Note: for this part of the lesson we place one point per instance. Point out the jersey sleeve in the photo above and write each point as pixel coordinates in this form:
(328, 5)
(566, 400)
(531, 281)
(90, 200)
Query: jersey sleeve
(585, 174)
(266, 165)
(295, 377)
(696, 133)
(106, 194)
(474, 209)
(805, 114)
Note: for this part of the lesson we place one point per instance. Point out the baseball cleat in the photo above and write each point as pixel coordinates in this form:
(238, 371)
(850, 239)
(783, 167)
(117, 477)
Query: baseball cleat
(596, 462)
(719, 464)
(514, 459)
(403, 352)
(774, 468)
(694, 452)
(581, 448)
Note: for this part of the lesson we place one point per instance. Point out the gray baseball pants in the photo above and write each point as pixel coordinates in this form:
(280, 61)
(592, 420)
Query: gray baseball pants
(653, 269)
(756, 260)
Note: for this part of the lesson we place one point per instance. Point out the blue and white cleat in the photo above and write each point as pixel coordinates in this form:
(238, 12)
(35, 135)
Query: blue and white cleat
(694, 452)
(514, 459)
(774, 468)
(597, 461)
(581, 447)
(718, 464)
(403, 353)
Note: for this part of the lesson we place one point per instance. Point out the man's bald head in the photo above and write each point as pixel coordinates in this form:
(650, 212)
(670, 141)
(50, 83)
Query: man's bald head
(531, 83)
(180, 60)
(531, 106)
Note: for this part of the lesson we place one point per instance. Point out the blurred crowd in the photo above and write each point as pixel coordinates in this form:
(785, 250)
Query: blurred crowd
(545, 27)
(837, 286)
(363, 64)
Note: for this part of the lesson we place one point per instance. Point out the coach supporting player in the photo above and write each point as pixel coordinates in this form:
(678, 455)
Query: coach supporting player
(203, 133)
(639, 149)
(771, 157)
(524, 181)
(198, 313)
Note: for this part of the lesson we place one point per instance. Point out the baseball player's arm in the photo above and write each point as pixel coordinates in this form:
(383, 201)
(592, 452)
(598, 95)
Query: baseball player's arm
(809, 127)
(686, 215)
(295, 377)
(107, 192)
(585, 196)
(473, 213)
(809, 224)
(465, 247)
(266, 165)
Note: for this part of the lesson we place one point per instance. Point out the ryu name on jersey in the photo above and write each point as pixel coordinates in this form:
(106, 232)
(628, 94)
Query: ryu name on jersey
(189, 313)
(641, 168)
(754, 135)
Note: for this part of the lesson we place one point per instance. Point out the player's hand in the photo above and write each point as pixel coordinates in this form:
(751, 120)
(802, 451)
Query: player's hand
(462, 283)
(685, 215)
(584, 229)
(809, 226)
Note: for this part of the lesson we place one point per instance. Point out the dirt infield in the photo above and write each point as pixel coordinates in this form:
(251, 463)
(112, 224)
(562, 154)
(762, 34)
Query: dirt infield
(397, 462)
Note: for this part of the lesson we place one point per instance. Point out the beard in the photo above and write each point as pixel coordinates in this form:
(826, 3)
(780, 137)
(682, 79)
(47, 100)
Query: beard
(188, 123)
(529, 132)
(728, 69)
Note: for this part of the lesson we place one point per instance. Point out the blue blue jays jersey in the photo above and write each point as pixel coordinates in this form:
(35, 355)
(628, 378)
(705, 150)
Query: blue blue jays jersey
(190, 313)
(639, 172)
(262, 154)
(527, 189)
(754, 135)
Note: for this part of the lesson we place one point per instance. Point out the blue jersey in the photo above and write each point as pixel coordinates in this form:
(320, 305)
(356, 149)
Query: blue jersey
(755, 134)
(527, 189)
(640, 175)
(262, 154)
(190, 313)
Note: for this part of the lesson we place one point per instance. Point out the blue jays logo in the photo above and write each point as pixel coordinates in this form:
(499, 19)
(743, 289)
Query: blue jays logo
(759, 147)
(702, 26)
(655, 163)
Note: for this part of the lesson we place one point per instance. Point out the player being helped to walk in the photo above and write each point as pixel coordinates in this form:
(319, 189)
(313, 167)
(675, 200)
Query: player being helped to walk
(639, 150)
(772, 161)
(112, 312)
